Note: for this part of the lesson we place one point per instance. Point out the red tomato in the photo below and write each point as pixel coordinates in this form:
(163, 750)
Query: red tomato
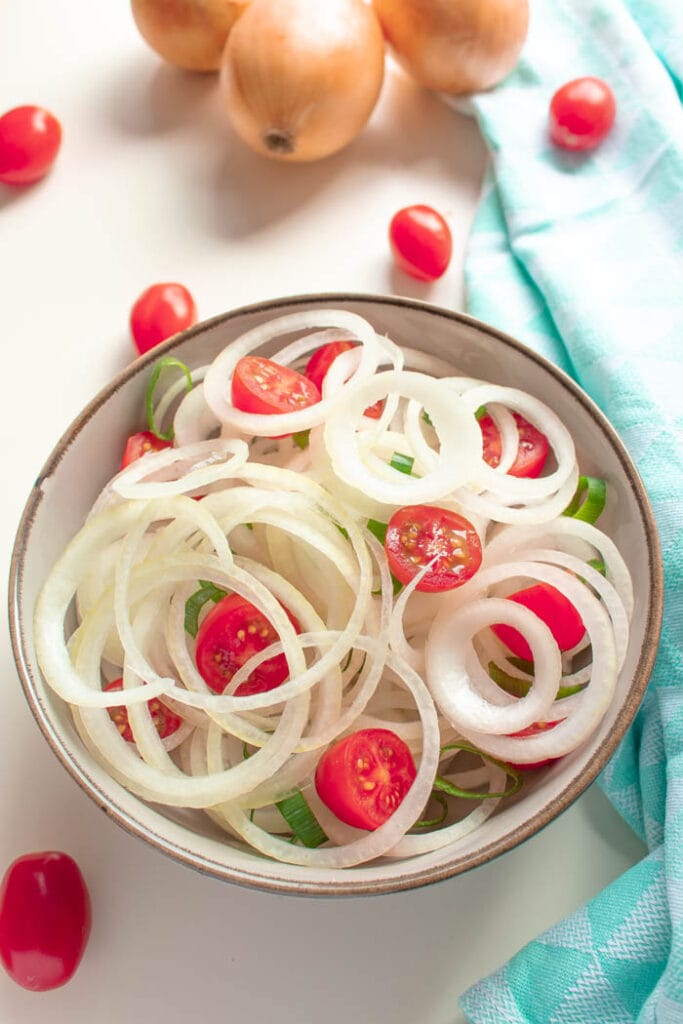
(139, 444)
(30, 138)
(421, 242)
(45, 920)
(261, 386)
(418, 533)
(582, 113)
(364, 777)
(559, 615)
(322, 359)
(160, 312)
(166, 721)
(232, 632)
(533, 730)
(320, 362)
(532, 451)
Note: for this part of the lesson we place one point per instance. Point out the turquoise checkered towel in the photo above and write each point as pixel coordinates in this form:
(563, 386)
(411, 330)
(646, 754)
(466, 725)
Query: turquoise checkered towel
(581, 257)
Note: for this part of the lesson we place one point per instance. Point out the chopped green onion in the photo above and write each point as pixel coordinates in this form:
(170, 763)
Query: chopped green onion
(522, 664)
(598, 565)
(403, 463)
(379, 530)
(249, 526)
(589, 499)
(444, 786)
(440, 799)
(427, 418)
(347, 661)
(301, 819)
(343, 531)
(167, 363)
(194, 604)
(520, 687)
(480, 413)
(301, 438)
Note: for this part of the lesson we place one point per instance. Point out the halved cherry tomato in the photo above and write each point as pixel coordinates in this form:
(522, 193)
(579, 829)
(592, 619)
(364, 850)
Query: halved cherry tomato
(139, 444)
(533, 730)
(45, 919)
(421, 242)
(232, 632)
(165, 720)
(558, 613)
(532, 451)
(160, 312)
(320, 362)
(582, 113)
(365, 776)
(416, 534)
(30, 138)
(261, 386)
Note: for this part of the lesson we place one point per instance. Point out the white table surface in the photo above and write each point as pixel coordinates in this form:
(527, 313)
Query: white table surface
(151, 185)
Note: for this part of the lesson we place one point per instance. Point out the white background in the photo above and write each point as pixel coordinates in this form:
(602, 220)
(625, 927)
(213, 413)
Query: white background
(151, 185)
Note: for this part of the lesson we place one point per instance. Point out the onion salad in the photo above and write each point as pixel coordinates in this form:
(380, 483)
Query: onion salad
(341, 618)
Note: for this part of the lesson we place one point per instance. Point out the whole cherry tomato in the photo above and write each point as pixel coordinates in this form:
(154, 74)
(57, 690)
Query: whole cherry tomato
(30, 138)
(45, 919)
(364, 777)
(582, 113)
(160, 312)
(421, 242)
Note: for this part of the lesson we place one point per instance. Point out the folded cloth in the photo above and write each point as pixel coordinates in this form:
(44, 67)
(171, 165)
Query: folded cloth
(581, 257)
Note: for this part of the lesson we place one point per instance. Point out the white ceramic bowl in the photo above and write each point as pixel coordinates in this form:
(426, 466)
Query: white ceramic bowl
(87, 456)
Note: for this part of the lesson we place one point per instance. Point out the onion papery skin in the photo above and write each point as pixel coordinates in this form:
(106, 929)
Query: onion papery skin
(300, 78)
(455, 46)
(189, 34)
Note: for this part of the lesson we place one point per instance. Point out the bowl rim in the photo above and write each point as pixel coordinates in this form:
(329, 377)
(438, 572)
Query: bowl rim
(346, 886)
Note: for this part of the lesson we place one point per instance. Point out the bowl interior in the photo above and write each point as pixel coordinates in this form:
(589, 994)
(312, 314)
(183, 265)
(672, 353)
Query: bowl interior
(87, 456)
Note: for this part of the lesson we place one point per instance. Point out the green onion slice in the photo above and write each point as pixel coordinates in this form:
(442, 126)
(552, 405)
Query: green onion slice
(301, 438)
(403, 463)
(520, 687)
(589, 499)
(480, 413)
(194, 604)
(444, 786)
(379, 530)
(427, 418)
(301, 819)
(440, 799)
(167, 363)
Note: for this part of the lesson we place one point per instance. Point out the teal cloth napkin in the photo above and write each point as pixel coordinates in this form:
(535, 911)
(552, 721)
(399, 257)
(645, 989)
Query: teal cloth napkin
(581, 257)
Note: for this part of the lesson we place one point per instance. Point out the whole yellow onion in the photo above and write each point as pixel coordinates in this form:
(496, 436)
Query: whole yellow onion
(455, 46)
(300, 78)
(188, 33)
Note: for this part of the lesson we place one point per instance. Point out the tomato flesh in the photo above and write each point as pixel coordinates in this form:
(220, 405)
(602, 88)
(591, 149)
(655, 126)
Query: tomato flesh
(364, 777)
(161, 311)
(232, 632)
(320, 362)
(553, 608)
(532, 450)
(421, 242)
(30, 138)
(416, 534)
(139, 444)
(166, 721)
(582, 113)
(45, 920)
(533, 730)
(261, 386)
